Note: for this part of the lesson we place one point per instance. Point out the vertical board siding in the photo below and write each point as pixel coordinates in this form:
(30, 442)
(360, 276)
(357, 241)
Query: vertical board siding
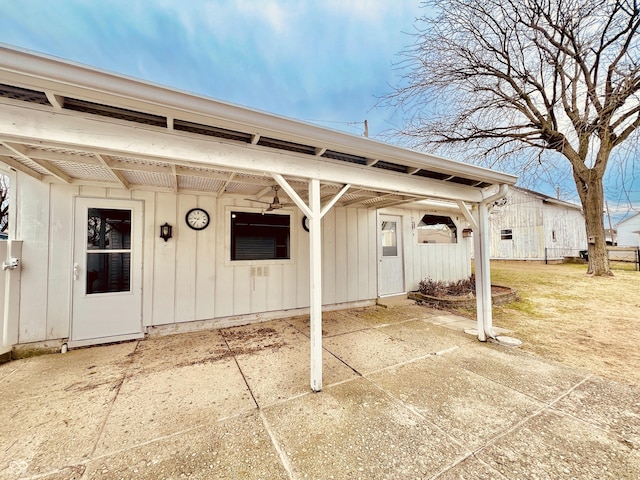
(329, 265)
(341, 271)
(148, 246)
(60, 261)
(185, 239)
(164, 268)
(205, 258)
(33, 227)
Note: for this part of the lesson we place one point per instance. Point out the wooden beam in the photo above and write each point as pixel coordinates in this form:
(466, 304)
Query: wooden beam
(20, 167)
(226, 183)
(333, 201)
(56, 100)
(119, 176)
(174, 178)
(78, 132)
(18, 150)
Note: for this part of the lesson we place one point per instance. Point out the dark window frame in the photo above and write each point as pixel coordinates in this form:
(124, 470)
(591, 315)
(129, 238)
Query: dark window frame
(429, 220)
(259, 237)
(506, 234)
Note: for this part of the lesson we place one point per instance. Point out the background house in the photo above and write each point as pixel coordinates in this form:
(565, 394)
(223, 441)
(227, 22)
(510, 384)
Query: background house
(629, 232)
(528, 225)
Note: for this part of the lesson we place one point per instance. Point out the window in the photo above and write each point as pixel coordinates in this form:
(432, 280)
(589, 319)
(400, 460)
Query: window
(108, 250)
(389, 239)
(437, 229)
(506, 234)
(257, 236)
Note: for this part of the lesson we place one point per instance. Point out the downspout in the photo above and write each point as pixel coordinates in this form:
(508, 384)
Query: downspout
(483, 269)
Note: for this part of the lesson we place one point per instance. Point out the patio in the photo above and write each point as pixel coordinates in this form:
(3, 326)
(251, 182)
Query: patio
(406, 394)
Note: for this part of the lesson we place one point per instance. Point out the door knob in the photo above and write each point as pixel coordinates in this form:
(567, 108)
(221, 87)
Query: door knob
(76, 271)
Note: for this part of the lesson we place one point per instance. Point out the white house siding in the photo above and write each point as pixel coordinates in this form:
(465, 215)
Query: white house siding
(189, 277)
(440, 262)
(532, 222)
(629, 232)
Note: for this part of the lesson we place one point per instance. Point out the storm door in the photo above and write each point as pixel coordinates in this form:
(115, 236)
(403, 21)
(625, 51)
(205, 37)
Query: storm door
(390, 255)
(107, 271)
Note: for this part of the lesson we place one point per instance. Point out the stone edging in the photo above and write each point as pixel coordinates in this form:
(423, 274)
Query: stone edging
(499, 298)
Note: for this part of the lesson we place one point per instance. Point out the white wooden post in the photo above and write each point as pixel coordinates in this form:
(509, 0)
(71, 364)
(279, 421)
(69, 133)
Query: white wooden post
(483, 273)
(315, 284)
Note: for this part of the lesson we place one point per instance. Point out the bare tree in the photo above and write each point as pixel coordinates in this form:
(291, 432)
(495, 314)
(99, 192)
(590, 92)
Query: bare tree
(537, 83)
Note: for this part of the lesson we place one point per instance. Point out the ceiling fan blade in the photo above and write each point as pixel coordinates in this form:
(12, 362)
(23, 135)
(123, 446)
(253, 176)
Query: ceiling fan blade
(257, 201)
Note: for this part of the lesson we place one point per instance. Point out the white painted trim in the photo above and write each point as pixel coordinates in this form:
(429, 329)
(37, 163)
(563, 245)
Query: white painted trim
(103, 340)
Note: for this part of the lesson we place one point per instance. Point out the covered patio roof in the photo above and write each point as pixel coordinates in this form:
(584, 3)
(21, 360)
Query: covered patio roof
(81, 98)
(66, 123)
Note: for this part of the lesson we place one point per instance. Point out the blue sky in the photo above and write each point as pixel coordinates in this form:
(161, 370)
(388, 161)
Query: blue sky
(321, 61)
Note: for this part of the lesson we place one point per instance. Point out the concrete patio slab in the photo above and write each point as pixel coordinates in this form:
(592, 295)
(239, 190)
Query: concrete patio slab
(371, 350)
(354, 430)
(426, 337)
(543, 380)
(552, 445)
(607, 405)
(403, 399)
(183, 398)
(74, 371)
(43, 433)
(333, 323)
(276, 376)
(236, 448)
(469, 408)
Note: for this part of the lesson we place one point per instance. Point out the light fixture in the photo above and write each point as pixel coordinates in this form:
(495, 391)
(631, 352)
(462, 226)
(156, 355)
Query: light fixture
(166, 231)
(466, 233)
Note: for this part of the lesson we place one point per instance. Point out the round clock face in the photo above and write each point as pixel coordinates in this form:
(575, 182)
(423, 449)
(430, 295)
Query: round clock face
(305, 223)
(197, 218)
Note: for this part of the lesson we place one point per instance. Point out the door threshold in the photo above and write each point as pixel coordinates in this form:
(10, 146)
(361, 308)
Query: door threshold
(102, 340)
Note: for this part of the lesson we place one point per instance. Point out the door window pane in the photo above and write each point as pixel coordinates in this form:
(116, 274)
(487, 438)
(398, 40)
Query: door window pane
(108, 272)
(108, 229)
(389, 239)
(108, 250)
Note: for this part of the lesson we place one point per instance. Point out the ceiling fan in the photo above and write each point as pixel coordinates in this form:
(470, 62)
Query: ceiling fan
(274, 204)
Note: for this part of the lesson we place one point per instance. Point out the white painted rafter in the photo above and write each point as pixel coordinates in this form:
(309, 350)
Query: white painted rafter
(117, 174)
(18, 151)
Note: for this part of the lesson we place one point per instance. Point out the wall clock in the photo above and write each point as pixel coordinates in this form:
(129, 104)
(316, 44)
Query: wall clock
(197, 218)
(305, 223)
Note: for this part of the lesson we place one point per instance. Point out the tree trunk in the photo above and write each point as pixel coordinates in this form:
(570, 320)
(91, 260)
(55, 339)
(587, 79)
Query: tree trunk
(592, 205)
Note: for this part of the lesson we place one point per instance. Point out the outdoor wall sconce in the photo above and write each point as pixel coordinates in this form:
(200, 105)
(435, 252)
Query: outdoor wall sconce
(166, 231)
(466, 232)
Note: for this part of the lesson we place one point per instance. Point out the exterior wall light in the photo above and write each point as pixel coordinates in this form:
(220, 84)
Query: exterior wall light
(166, 231)
(466, 233)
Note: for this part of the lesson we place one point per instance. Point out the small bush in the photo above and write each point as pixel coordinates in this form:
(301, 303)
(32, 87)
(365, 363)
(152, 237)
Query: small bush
(460, 288)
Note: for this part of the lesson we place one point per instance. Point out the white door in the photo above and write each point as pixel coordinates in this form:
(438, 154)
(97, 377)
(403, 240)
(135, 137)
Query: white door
(107, 271)
(390, 255)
